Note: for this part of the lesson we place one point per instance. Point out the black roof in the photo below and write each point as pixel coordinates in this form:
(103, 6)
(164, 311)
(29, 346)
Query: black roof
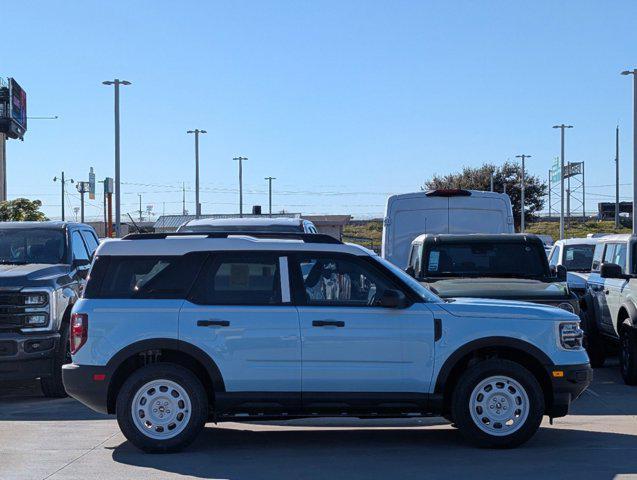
(483, 237)
(50, 224)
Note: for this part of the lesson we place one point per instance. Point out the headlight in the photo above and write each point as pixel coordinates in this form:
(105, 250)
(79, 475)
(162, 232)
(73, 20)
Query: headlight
(571, 336)
(566, 306)
(36, 320)
(36, 299)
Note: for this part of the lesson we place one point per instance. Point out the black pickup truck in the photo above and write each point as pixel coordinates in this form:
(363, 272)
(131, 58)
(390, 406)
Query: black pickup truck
(501, 266)
(43, 267)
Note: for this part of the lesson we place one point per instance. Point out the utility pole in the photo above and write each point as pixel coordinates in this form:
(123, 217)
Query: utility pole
(140, 207)
(634, 74)
(183, 198)
(583, 191)
(116, 83)
(491, 180)
(549, 194)
(522, 183)
(617, 176)
(3, 167)
(269, 179)
(240, 160)
(63, 181)
(562, 127)
(82, 187)
(197, 204)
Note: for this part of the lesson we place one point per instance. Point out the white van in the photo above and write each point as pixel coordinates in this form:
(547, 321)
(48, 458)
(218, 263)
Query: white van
(441, 211)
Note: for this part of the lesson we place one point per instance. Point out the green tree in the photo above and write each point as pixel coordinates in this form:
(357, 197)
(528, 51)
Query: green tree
(21, 210)
(507, 175)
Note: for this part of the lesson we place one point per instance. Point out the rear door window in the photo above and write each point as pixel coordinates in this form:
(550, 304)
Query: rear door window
(239, 279)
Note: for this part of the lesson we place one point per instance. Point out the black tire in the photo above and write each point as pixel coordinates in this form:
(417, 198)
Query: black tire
(162, 371)
(52, 386)
(593, 341)
(628, 354)
(461, 403)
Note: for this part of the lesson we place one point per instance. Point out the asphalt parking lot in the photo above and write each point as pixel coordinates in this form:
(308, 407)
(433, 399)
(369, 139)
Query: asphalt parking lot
(62, 439)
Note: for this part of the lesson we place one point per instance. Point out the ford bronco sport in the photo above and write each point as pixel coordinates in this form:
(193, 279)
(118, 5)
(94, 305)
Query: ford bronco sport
(175, 330)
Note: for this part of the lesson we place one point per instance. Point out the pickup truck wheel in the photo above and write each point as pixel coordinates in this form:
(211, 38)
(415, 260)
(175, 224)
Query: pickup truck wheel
(162, 407)
(52, 385)
(498, 403)
(593, 342)
(628, 354)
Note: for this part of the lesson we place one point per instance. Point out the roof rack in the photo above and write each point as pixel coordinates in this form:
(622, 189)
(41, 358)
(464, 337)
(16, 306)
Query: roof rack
(305, 237)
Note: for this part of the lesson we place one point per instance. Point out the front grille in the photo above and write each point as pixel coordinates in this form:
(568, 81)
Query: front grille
(13, 310)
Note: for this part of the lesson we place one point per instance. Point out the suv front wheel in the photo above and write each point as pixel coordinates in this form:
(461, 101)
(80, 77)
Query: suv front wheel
(162, 407)
(498, 403)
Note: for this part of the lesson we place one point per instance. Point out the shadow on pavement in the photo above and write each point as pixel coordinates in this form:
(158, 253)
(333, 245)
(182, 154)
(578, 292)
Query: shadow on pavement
(24, 401)
(391, 453)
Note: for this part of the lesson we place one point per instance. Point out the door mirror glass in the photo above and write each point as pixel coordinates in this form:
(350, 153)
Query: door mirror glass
(561, 273)
(393, 299)
(611, 270)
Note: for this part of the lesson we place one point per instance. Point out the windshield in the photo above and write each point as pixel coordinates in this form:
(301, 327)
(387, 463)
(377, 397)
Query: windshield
(242, 228)
(578, 258)
(423, 292)
(37, 245)
(485, 259)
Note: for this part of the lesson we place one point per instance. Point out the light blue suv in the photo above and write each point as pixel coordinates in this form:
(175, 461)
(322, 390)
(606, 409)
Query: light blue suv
(177, 330)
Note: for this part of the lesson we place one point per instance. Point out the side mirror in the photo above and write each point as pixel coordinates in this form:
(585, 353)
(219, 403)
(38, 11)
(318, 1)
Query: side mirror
(561, 273)
(611, 270)
(410, 271)
(393, 299)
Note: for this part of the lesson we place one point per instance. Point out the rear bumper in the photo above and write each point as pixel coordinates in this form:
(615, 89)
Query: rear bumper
(568, 387)
(27, 356)
(88, 384)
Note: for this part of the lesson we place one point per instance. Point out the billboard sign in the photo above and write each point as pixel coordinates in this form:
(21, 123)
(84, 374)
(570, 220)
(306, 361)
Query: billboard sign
(91, 184)
(555, 171)
(17, 105)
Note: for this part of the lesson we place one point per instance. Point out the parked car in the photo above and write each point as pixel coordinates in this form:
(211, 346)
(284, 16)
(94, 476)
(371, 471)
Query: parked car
(43, 266)
(576, 255)
(441, 211)
(609, 307)
(177, 330)
(504, 266)
(249, 224)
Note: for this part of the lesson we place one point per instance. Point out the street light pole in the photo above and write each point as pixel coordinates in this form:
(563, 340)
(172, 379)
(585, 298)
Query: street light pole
(634, 74)
(617, 176)
(197, 203)
(240, 160)
(562, 127)
(269, 179)
(522, 183)
(116, 83)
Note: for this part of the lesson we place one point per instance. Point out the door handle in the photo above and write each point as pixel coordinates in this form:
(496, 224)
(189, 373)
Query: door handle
(606, 292)
(328, 323)
(213, 323)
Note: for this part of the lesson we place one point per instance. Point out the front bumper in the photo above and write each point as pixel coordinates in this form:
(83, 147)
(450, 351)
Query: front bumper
(27, 356)
(567, 386)
(88, 384)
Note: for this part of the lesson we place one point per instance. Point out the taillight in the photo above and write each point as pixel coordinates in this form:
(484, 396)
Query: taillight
(79, 331)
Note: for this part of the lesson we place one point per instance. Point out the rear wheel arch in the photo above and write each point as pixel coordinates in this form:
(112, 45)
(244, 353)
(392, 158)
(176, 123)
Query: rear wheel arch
(146, 352)
(627, 312)
(519, 351)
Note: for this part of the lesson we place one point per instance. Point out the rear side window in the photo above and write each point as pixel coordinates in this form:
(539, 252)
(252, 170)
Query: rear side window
(246, 279)
(79, 249)
(127, 277)
(90, 240)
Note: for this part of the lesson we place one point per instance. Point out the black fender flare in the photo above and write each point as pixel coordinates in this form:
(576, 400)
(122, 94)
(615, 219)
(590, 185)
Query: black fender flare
(487, 342)
(171, 344)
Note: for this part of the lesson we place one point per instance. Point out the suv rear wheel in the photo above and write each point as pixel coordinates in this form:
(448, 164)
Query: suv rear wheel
(162, 407)
(628, 354)
(498, 403)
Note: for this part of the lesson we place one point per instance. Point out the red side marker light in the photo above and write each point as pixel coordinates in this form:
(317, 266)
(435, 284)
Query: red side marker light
(99, 377)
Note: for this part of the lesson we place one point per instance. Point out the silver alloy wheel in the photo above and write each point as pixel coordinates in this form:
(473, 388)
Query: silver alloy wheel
(499, 405)
(161, 409)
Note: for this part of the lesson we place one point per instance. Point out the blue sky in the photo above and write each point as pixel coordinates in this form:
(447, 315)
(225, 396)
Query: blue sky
(343, 101)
